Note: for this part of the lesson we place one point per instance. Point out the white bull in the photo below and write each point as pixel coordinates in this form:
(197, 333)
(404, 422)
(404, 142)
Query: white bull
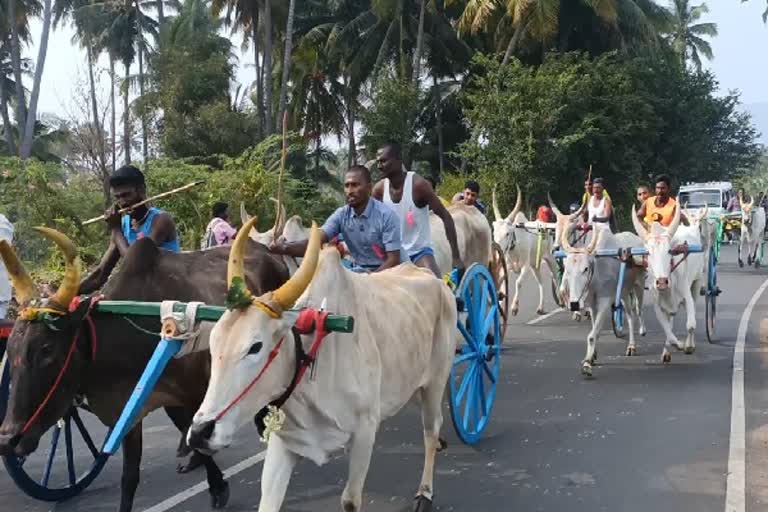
(676, 279)
(519, 245)
(752, 229)
(403, 345)
(473, 236)
(591, 283)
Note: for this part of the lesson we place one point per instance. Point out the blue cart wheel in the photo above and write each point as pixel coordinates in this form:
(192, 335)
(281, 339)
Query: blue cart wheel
(617, 319)
(56, 478)
(711, 299)
(475, 370)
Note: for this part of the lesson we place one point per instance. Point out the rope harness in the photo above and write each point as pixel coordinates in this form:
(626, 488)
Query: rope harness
(74, 306)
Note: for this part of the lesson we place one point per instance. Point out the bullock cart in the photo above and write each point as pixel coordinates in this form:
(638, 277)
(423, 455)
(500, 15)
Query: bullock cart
(472, 385)
(78, 474)
(625, 255)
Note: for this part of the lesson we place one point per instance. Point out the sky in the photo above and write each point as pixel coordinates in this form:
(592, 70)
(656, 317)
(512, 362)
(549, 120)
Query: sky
(742, 36)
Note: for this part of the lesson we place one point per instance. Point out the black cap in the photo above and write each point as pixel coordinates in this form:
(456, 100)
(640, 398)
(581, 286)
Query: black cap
(126, 175)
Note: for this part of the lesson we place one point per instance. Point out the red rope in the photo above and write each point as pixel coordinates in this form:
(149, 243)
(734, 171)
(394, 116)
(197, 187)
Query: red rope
(272, 356)
(72, 347)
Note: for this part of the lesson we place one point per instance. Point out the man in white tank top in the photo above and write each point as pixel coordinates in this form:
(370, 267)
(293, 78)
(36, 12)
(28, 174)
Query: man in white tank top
(411, 197)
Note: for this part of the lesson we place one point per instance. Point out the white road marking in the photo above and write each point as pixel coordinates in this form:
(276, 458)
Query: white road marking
(544, 317)
(735, 486)
(184, 495)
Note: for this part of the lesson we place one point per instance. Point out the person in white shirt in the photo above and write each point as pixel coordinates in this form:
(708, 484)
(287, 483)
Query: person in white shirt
(6, 233)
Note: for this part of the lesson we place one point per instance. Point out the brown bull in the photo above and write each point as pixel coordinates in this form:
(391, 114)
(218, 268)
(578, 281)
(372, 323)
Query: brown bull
(105, 370)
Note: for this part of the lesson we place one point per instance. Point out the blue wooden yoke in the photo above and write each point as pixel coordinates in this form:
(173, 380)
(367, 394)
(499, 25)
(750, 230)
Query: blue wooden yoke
(617, 253)
(636, 251)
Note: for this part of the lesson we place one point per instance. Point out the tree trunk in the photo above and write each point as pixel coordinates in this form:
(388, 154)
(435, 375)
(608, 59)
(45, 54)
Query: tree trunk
(160, 13)
(352, 158)
(513, 42)
(113, 126)
(21, 115)
(29, 130)
(268, 67)
(318, 141)
(126, 117)
(94, 105)
(286, 62)
(257, 67)
(144, 150)
(419, 44)
(439, 127)
(7, 126)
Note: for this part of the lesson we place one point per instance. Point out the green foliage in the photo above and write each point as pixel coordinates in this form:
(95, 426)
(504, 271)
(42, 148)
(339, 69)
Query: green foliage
(193, 72)
(542, 127)
(392, 116)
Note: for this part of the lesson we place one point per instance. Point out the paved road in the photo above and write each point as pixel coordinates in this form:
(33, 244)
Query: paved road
(639, 436)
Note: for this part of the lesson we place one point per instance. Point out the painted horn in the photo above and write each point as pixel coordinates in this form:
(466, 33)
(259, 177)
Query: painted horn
(578, 213)
(287, 295)
(496, 211)
(639, 228)
(518, 205)
(22, 283)
(70, 284)
(236, 263)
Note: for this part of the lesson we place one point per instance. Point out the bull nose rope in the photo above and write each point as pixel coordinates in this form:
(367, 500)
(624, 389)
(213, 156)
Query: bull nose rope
(73, 306)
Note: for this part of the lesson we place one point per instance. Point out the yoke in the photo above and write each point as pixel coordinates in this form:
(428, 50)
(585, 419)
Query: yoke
(172, 339)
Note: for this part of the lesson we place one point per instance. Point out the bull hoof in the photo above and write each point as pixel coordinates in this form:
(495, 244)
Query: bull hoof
(540, 311)
(741, 264)
(643, 331)
(220, 498)
(690, 350)
(586, 369)
(513, 311)
(631, 351)
(442, 444)
(666, 357)
(423, 504)
(194, 462)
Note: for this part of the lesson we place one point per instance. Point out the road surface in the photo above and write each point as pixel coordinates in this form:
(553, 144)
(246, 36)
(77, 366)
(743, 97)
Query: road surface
(638, 436)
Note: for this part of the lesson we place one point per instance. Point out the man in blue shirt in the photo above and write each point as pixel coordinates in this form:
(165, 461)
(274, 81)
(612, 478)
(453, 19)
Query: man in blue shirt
(370, 229)
(129, 188)
(470, 196)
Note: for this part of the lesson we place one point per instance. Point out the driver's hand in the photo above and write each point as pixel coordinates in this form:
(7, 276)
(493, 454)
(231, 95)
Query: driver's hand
(458, 263)
(277, 247)
(113, 218)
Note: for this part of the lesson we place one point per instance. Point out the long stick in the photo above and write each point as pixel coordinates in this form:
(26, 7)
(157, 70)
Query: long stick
(149, 199)
(283, 158)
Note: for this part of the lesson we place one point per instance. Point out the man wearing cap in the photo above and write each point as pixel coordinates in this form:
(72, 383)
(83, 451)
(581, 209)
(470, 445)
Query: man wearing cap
(129, 188)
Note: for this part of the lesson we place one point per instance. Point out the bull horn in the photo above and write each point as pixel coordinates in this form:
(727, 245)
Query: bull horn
(281, 216)
(565, 239)
(70, 284)
(236, 263)
(704, 212)
(554, 207)
(22, 283)
(639, 228)
(518, 205)
(595, 239)
(244, 217)
(496, 211)
(578, 213)
(287, 295)
(675, 222)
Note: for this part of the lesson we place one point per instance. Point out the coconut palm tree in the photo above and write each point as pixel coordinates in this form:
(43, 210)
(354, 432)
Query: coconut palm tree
(687, 34)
